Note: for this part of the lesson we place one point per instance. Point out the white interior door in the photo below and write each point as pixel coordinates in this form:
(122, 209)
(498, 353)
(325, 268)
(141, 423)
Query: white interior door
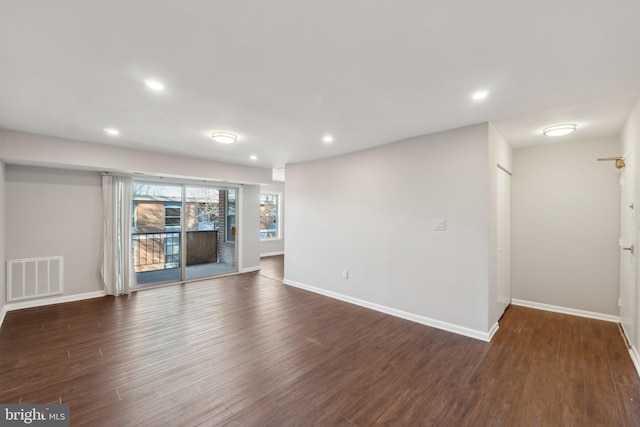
(504, 238)
(627, 257)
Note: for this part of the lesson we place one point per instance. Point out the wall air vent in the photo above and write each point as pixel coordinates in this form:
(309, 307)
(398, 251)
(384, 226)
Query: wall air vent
(34, 278)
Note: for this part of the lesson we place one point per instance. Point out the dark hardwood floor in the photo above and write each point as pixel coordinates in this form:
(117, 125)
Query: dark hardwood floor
(246, 350)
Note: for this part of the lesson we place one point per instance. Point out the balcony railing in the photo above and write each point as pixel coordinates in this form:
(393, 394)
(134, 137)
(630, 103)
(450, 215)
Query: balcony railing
(156, 251)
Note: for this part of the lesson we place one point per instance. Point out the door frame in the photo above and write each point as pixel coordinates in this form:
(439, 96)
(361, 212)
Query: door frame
(627, 296)
(183, 186)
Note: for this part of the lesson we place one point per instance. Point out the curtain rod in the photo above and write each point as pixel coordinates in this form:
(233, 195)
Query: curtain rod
(173, 180)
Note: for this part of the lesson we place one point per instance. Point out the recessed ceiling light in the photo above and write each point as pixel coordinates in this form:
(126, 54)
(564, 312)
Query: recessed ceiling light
(253, 157)
(481, 94)
(559, 130)
(111, 131)
(154, 84)
(328, 139)
(224, 137)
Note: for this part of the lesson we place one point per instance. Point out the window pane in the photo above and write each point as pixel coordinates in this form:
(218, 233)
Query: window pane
(230, 231)
(172, 221)
(269, 216)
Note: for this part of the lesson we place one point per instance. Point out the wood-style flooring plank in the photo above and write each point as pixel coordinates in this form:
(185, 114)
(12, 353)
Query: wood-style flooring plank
(245, 350)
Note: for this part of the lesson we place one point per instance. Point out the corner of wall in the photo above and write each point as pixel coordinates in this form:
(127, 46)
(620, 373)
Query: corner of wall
(399, 265)
(555, 204)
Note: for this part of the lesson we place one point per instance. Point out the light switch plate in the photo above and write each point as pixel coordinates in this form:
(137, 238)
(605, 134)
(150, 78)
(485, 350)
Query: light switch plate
(438, 225)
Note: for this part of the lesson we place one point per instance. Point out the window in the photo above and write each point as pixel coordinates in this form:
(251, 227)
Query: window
(269, 216)
(171, 215)
(177, 232)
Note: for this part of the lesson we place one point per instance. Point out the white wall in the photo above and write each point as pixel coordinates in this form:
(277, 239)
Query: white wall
(371, 213)
(272, 247)
(39, 150)
(500, 153)
(565, 225)
(3, 258)
(52, 212)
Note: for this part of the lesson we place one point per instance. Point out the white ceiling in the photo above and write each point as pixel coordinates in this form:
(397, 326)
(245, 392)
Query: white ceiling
(284, 73)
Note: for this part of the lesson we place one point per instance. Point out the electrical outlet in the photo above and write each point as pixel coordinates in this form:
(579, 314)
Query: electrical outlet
(345, 274)
(439, 225)
(619, 302)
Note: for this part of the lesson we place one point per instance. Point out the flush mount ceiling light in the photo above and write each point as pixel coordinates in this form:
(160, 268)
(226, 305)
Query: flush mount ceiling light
(328, 139)
(111, 131)
(481, 94)
(559, 130)
(154, 84)
(224, 137)
(253, 157)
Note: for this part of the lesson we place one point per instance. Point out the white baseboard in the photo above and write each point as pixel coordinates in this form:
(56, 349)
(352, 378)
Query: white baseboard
(565, 310)
(449, 327)
(48, 301)
(633, 351)
(493, 331)
(271, 254)
(3, 312)
(635, 358)
(249, 269)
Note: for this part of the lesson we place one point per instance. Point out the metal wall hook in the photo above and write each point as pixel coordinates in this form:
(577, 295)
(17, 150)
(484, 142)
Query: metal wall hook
(619, 161)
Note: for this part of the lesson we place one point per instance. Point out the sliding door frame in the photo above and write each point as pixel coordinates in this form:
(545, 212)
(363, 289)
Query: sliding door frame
(183, 224)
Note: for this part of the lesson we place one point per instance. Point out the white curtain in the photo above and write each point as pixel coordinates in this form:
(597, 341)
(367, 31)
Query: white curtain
(117, 269)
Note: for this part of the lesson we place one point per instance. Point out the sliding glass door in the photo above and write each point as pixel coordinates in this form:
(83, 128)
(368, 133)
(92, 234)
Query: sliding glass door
(182, 232)
(207, 251)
